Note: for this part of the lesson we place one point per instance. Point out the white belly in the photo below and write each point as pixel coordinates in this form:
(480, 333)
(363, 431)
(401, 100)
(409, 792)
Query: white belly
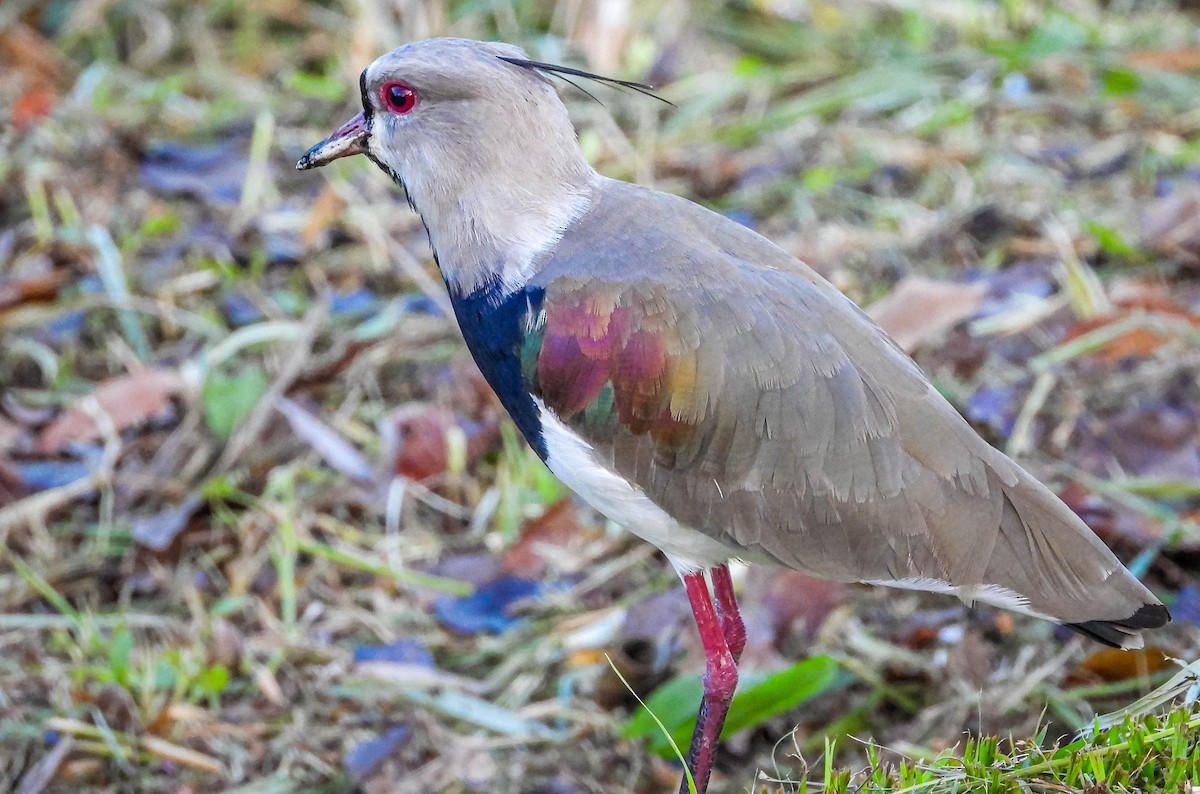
(573, 460)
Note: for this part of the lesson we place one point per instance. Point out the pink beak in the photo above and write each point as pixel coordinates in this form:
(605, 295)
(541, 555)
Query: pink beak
(350, 138)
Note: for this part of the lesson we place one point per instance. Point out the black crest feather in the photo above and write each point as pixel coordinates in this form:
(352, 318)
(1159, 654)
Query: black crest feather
(564, 72)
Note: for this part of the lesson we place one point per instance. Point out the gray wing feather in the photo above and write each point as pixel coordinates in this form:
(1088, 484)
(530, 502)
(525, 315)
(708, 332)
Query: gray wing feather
(819, 444)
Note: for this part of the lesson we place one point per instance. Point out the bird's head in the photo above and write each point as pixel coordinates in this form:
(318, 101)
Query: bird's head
(457, 101)
(477, 136)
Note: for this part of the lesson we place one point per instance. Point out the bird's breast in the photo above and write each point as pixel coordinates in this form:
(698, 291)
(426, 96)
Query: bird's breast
(505, 332)
(495, 324)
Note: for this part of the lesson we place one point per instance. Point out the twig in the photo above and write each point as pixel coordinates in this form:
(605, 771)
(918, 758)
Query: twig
(37, 778)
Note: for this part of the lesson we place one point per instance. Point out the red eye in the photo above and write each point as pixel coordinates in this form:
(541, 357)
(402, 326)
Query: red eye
(398, 98)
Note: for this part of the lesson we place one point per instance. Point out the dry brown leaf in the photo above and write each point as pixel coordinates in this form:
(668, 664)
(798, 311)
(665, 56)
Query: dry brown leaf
(1186, 59)
(1136, 342)
(33, 54)
(37, 289)
(558, 526)
(39, 64)
(128, 401)
(417, 439)
(921, 309)
(33, 106)
(1111, 664)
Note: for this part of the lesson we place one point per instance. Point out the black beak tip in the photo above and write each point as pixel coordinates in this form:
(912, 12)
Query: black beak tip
(306, 161)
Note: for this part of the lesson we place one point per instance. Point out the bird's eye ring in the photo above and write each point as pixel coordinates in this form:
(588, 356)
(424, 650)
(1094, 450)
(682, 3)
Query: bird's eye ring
(398, 97)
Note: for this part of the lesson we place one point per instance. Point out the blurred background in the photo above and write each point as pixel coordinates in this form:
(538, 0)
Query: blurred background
(265, 529)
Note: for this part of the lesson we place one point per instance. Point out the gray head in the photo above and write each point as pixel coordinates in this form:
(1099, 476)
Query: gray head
(482, 145)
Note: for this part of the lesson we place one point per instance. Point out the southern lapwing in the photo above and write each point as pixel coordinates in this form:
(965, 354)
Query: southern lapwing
(700, 386)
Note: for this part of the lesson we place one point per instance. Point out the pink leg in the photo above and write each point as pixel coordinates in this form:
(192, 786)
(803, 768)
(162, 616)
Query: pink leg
(720, 680)
(727, 611)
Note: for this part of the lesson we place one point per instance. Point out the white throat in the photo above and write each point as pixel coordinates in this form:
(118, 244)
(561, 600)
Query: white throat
(489, 227)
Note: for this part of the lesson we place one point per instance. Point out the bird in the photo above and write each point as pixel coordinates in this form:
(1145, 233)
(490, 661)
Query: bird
(697, 384)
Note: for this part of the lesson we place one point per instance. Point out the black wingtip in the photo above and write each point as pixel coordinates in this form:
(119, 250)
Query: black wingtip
(1117, 633)
(1150, 616)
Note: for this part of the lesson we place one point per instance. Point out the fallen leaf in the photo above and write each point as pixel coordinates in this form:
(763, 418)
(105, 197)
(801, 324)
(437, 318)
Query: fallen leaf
(228, 400)
(1186, 608)
(213, 173)
(460, 385)
(80, 770)
(366, 758)
(759, 697)
(971, 659)
(35, 289)
(1153, 438)
(39, 67)
(1111, 664)
(129, 401)
(117, 705)
(557, 528)
(41, 775)
(42, 475)
(921, 309)
(1004, 623)
(402, 651)
(474, 569)
(1133, 343)
(776, 599)
(32, 53)
(33, 106)
(920, 638)
(1186, 59)
(1133, 299)
(336, 451)
(489, 608)
(1172, 224)
(417, 440)
(158, 531)
(995, 408)
(1018, 285)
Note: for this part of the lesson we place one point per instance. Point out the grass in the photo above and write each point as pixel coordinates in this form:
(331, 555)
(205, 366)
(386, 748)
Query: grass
(188, 581)
(1149, 753)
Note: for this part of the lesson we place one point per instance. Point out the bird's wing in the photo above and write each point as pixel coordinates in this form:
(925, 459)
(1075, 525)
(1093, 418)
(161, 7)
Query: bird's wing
(751, 401)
